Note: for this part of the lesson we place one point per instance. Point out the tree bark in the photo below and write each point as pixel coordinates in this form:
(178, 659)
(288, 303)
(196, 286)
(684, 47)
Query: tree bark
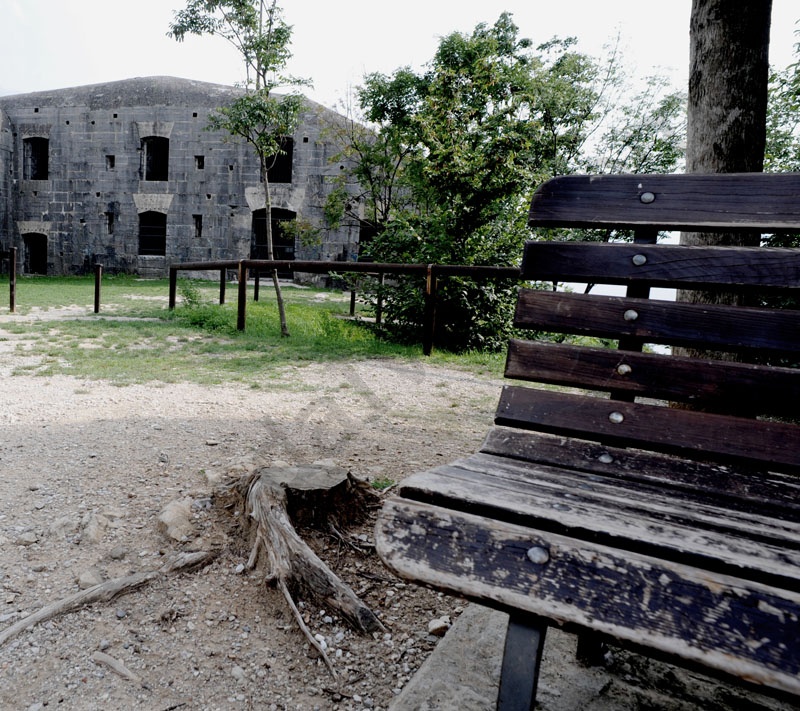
(727, 109)
(728, 82)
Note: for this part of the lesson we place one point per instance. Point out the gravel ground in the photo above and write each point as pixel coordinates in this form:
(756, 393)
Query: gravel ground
(86, 469)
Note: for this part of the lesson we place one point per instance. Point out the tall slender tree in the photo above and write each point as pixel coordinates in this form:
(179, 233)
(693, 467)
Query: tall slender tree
(258, 32)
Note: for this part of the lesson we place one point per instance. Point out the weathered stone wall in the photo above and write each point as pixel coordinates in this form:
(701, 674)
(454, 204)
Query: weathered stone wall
(6, 144)
(90, 203)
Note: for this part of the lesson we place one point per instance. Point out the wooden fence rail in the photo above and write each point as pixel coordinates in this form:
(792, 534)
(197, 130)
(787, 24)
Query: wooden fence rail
(432, 273)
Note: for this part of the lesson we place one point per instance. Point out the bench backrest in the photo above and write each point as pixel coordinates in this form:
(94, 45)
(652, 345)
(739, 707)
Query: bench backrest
(701, 407)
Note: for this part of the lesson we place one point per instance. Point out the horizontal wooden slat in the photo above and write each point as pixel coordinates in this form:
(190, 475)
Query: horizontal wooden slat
(662, 265)
(705, 384)
(697, 434)
(661, 322)
(724, 202)
(745, 629)
(744, 489)
(637, 516)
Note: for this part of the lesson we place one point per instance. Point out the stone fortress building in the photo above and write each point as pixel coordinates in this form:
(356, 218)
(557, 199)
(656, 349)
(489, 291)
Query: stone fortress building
(125, 174)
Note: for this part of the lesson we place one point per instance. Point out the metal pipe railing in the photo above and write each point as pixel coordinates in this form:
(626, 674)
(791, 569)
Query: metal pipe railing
(431, 272)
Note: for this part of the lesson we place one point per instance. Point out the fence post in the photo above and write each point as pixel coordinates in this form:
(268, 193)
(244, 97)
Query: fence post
(379, 301)
(242, 310)
(352, 302)
(222, 274)
(257, 285)
(173, 287)
(12, 279)
(98, 278)
(430, 311)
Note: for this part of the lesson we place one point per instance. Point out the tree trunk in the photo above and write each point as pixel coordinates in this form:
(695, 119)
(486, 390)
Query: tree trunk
(270, 252)
(728, 82)
(727, 110)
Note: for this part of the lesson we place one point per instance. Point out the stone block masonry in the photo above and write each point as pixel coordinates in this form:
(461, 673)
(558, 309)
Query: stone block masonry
(127, 175)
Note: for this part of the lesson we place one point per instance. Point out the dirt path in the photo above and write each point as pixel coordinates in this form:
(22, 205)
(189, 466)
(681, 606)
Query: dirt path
(87, 467)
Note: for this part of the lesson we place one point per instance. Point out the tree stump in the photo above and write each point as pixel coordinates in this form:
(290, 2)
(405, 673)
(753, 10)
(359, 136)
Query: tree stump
(280, 497)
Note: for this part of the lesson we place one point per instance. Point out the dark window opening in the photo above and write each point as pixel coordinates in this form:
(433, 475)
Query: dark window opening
(155, 158)
(198, 226)
(36, 110)
(280, 165)
(35, 159)
(366, 234)
(200, 162)
(110, 223)
(152, 234)
(111, 162)
(35, 257)
(305, 139)
(282, 238)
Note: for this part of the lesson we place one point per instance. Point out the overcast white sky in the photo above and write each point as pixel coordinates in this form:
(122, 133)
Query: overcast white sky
(50, 44)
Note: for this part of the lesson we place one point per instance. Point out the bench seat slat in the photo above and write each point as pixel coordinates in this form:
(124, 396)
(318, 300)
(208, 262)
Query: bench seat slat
(698, 434)
(755, 202)
(636, 518)
(662, 265)
(702, 383)
(696, 614)
(661, 322)
(743, 489)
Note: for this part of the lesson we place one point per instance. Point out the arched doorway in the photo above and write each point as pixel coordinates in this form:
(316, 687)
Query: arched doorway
(282, 238)
(35, 257)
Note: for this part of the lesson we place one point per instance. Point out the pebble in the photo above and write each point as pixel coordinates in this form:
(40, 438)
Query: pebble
(27, 539)
(239, 674)
(118, 553)
(89, 578)
(439, 626)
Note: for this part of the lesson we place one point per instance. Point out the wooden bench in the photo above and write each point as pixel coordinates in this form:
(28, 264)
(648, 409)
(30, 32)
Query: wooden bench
(640, 501)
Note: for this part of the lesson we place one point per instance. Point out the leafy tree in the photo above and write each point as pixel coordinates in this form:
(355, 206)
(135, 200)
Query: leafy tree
(262, 38)
(782, 153)
(451, 155)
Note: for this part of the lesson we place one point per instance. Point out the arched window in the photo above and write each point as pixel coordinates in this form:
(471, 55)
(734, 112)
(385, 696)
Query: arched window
(152, 234)
(155, 158)
(35, 158)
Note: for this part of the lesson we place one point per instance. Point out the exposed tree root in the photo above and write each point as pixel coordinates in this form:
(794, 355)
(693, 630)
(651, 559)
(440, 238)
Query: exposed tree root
(105, 591)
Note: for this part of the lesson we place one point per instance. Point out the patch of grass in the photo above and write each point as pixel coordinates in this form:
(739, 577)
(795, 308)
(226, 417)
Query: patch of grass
(382, 483)
(135, 338)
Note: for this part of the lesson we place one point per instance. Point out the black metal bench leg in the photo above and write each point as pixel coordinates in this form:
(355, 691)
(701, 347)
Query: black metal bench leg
(522, 657)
